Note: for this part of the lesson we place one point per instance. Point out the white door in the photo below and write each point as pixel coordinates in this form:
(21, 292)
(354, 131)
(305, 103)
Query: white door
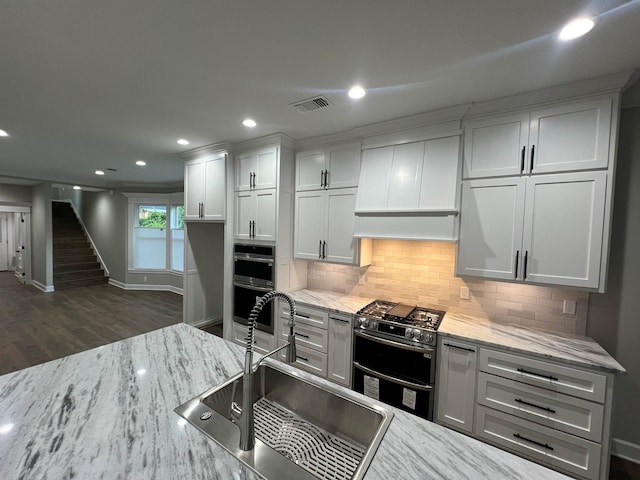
(339, 357)
(193, 189)
(406, 173)
(265, 226)
(440, 173)
(491, 222)
(563, 228)
(245, 215)
(343, 166)
(4, 242)
(373, 188)
(571, 137)
(495, 146)
(339, 225)
(214, 188)
(309, 225)
(265, 170)
(245, 168)
(310, 168)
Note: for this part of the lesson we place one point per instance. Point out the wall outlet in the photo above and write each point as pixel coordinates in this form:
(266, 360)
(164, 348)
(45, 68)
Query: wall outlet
(569, 307)
(464, 293)
(144, 279)
(361, 279)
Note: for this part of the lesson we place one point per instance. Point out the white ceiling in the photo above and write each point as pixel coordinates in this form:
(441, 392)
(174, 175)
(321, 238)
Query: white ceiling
(88, 84)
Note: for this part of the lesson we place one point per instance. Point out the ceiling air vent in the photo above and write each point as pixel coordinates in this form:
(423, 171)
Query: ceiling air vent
(311, 104)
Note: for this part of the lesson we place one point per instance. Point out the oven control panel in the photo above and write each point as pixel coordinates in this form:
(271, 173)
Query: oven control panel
(393, 329)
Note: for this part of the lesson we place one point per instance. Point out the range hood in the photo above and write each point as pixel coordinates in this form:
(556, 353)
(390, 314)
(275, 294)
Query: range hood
(434, 225)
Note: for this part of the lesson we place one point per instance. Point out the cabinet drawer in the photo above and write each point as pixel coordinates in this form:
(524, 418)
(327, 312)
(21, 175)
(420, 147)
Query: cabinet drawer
(306, 315)
(556, 449)
(579, 383)
(555, 410)
(306, 335)
(307, 359)
(262, 342)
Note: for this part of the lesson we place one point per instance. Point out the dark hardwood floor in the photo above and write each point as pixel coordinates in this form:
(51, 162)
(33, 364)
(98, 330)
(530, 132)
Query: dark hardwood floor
(36, 327)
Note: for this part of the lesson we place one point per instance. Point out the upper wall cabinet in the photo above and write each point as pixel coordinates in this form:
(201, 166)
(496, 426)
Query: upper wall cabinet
(418, 176)
(204, 187)
(565, 137)
(337, 166)
(257, 169)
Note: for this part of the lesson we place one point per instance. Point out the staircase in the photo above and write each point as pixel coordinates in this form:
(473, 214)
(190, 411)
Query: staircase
(74, 262)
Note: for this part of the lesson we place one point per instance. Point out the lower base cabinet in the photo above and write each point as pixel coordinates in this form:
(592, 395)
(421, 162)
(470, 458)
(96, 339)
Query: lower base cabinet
(263, 342)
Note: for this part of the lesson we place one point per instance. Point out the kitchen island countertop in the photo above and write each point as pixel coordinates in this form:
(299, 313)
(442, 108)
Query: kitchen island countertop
(108, 413)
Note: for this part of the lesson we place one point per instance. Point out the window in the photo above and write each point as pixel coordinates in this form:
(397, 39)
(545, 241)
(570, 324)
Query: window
(157, 235)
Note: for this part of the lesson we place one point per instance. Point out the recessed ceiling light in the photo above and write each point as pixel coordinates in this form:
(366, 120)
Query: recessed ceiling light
(6, 428)
(357, 92)
(576, 28)
(141, 163)
(76, 187)
(247, 122)
(99, 172)
(183, 141)
(3, 133)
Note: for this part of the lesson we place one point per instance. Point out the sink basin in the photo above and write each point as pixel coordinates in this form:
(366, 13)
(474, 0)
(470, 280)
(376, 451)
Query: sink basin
(304, 428)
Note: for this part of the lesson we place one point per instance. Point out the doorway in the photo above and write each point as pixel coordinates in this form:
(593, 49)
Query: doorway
(4, 242)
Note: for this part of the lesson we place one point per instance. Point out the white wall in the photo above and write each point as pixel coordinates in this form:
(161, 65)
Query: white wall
(15, 194)
(41, 237)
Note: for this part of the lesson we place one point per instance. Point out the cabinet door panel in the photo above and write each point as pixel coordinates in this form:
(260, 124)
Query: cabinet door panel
(245, 213)
(563, 228)
(340, 356)
(343, 164)
(493, 146)
(194, 189)
(265, 215)
(406, 173)
(309, 169)
(265, 169)
(491, 227)
(440, 173)
(571, 137)
(339, 225)
(214, 188)
(309, 224)
(373, 191)
(245, 166)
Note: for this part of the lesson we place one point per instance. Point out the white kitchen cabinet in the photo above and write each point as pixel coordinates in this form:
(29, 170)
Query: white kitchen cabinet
(204, 188)
(558, 138)
(410, 177)
(257, 169)
(337, 166)
(256, 215)
(263, 343)
(340, 349)
(457, 362)
(324, 226)
(544, 229)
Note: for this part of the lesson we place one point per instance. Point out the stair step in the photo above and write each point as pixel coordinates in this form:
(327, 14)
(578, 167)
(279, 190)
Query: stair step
(77, 275)
(70, 259)
(76, 267)
(85, 282)
(71, 252)
(60, 246)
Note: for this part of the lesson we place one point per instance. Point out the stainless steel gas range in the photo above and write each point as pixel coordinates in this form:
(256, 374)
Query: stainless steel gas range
(394, 356)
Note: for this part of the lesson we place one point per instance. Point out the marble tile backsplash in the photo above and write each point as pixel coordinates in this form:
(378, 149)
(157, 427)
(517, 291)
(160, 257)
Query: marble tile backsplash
(422, 273)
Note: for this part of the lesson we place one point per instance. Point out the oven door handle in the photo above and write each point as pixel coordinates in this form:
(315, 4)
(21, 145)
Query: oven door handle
(423, 349)
(253, 259)
(252, 287)
(404, 383)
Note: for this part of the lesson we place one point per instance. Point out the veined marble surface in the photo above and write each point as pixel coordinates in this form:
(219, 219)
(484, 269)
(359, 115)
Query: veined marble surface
(332, 301)
(570, 349)
(107, 413)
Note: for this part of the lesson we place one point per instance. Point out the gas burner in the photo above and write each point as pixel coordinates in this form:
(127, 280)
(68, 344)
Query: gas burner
(377, 308)
(425, 318)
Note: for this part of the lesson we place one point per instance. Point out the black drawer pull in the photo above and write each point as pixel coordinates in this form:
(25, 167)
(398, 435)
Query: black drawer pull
(522, 370)
(298, 357)
(339, 319)
(546, 409)
(543, 445)
(460, 348)
(301, 315)
(298, 334)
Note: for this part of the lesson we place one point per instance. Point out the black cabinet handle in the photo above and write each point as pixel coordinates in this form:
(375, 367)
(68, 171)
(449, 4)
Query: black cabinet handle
(522, 160)
(301, 315)
(524, 270)
(298, 334)
(533, 149)
(517, 261)
(326, 179)
(522, 370)
(324, 249)
(339, 319)
(543, 445)
(319, 248)
(460, 348)
(322, 178)
(298, 357)
(546, 409)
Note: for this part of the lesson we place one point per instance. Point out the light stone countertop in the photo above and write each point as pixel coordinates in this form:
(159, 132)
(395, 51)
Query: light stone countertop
(563, 347)
(107, 413)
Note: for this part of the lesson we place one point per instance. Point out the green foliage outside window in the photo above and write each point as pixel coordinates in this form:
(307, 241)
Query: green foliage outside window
(152, 219)
(179, 220)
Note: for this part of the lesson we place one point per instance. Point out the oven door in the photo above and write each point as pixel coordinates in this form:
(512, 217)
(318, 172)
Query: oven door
(395, 373)
(254, 271)
(244, 298)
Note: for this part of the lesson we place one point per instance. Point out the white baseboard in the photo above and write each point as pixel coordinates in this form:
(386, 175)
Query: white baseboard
(145, 286)
(206, 321)
(627, 450)
(44, 288)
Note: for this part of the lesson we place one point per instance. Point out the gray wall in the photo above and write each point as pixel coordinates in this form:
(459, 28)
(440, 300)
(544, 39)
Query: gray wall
(614, 317)
(15, 194)
(105, 217)
(41, 238)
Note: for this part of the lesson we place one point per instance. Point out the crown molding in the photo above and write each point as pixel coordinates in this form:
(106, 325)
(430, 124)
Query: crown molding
(279, 139)
(220, 148)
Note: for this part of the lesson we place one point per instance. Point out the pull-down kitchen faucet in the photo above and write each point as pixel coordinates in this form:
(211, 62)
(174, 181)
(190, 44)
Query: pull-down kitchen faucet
(244, 416)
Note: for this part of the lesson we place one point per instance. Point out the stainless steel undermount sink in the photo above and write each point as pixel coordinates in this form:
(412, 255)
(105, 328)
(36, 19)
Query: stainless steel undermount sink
(304, 428)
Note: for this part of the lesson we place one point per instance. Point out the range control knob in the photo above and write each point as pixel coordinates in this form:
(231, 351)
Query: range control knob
(417, 335)
(408, 333)
(428, 337)
(363, 322)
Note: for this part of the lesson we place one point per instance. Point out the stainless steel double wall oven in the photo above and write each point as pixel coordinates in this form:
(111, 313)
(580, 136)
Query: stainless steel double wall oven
(253, 276)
